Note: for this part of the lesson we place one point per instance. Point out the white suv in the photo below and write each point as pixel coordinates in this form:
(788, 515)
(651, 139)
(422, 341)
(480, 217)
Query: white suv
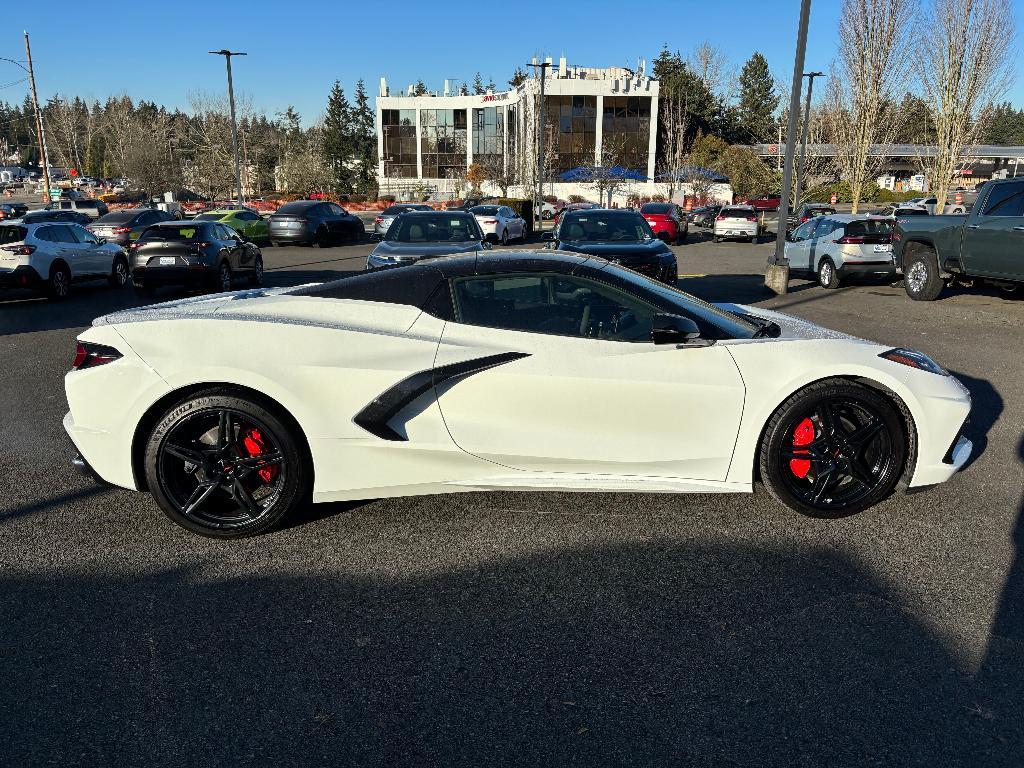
(49, 256)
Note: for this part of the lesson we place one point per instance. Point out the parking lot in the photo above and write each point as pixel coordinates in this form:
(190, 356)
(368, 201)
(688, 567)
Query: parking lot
(522, 629)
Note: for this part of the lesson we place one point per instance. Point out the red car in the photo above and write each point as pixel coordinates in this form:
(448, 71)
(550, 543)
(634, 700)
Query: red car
(667, 221)
(764, 202)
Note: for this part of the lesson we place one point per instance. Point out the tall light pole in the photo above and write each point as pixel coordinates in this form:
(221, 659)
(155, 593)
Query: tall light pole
(234, 125)
(540, 146)
(803, 141)
(777, 273)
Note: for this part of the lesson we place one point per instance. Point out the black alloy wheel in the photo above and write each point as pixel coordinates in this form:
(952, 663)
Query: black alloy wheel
(256, 278)
(223, 466)
(504, 237)
(835, 449)
(59, 285)
(224, 277)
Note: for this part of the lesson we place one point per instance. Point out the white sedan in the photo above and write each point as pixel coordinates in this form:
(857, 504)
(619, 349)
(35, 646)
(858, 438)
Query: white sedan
(499, 223)
(497, 371)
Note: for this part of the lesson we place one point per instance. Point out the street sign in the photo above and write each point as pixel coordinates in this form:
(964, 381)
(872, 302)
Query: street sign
(73, 172)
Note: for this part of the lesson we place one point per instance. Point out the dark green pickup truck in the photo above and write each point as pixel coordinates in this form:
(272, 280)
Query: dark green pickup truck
(985, 244)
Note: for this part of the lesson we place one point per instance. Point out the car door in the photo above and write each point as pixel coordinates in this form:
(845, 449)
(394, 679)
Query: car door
(820, 243)
(586, 390)
(798, 247)
(232, 244)
(69, 249)
(993, 238)
(95, 260)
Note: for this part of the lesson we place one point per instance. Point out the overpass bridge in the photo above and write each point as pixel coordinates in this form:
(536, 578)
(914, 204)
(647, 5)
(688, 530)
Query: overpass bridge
(898, 151)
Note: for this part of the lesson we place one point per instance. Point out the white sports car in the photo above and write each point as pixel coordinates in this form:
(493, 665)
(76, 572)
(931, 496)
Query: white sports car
(512, 370)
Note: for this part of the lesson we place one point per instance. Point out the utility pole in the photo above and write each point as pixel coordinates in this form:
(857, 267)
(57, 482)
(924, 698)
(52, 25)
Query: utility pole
(538, 218)
(234, 125)
(777, 273)
(803, 141)
(39, 123)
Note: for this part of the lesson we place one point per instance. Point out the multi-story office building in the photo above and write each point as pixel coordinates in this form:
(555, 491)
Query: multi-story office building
(592, 117)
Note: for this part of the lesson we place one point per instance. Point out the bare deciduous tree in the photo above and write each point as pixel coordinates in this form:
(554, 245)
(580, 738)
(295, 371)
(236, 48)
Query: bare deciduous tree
(872, 57)
(674, 125)
(963, 65)
(710, 64)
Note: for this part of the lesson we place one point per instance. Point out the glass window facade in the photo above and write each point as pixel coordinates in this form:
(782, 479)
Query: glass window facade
(443, 143)
(625, 129)
(488, 133)
(399, 129)
(570, 126)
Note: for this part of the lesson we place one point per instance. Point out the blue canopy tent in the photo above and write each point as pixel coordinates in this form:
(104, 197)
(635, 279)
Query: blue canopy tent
(605, 177)
(687, 172)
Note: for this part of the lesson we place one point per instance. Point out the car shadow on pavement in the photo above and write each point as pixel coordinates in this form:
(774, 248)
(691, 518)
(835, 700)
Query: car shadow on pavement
(24, 312)
(594, 655)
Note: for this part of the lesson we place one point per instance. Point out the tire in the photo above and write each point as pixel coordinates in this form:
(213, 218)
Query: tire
(717, 239)
(827, 277)
(226, 491)
(323, 239)
(504, 237)
(858, 462)
(223, 279)
(921, 278)
(256, 278)
(118, 273)
(58, 286)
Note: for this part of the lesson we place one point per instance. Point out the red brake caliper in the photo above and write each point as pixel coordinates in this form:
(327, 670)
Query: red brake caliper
(253, 443)
(802, 435)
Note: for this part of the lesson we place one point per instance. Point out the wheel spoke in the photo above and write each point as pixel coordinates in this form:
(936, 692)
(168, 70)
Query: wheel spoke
(250, 464)
(245, 499)
(863, 435)
(861, 475)
(823, 481)
(225, 430)
(190, 455)
(827, 420)
(199, 495)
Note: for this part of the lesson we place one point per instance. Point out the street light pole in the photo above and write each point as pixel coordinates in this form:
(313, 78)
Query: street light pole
(537, 209)
(39, 122)
(803, 141)
(234, 125)
(777, 273)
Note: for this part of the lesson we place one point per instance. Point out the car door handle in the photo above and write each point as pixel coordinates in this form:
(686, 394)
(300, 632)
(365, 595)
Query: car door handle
(1018, 229)
(973, 226)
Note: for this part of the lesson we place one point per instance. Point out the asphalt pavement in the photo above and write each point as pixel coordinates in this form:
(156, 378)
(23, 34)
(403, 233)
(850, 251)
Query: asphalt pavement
(521, 629)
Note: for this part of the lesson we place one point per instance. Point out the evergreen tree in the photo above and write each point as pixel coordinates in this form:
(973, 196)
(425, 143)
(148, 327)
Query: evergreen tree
(464, 90)
(758, 100)
(420, 89)
(478, 84)
(365, 142)
(490, 85)
(518, 78)
(1004, 125)
(338, 139)
(915, 123)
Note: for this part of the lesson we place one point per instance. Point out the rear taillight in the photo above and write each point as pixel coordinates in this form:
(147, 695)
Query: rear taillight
(21, 250)
(851, 240)
(121, 230)
(804, 218)
(751, 218)
(378, 220)
(719, 217)
(88, 355)
(489, 221)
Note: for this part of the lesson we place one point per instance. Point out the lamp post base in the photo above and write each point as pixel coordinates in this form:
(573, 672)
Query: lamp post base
(776, 278)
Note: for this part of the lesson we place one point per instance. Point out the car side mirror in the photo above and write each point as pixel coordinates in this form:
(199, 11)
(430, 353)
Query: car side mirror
(674, 329)
(548, 236)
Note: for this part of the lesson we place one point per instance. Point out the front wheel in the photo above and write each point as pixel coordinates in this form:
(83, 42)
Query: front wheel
(504, 237)
(256, 278)
(118, 273)
(921, 278)
(834, 449)
(224, 466)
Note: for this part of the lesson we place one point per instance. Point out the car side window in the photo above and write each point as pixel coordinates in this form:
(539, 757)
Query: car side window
(62, 234)
(44, 234)
(1005, 200)
(824, 229)
(554, 304)
(803, 232)
(81, 234)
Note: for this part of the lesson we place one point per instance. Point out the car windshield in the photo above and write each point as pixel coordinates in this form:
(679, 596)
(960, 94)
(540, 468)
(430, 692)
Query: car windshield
(869, 227)
(117, 217)
(656, 208)
(736, 213)
(434, 228)
(211, 216)
(169, 234)
(605, 228)
(733, 325)
(484, 210)
(12, 234)
(296, 208)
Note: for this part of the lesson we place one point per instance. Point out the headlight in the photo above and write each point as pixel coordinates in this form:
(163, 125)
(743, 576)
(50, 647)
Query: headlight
(914, 359)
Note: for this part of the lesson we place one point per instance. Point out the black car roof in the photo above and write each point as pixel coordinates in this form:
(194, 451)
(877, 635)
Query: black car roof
(431, 212)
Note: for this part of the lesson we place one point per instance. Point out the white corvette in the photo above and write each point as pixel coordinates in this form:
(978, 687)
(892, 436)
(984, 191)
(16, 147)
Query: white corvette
(513, 370)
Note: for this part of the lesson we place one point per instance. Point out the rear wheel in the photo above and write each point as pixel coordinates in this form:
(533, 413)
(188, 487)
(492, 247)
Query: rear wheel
(224, 466)
(118, 273)
(224, 277)
(834, 449)
(827, 276)
(921, 278)
(59, 285)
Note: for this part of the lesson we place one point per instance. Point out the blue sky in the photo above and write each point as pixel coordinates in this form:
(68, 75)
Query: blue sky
(296, 51)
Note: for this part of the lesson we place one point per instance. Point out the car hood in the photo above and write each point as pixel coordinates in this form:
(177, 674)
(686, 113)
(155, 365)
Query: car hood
(616, 251)
(393, 249)
(792, 327)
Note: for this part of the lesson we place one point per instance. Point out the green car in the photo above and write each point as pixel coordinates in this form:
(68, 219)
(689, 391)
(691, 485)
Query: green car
(245, 221)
